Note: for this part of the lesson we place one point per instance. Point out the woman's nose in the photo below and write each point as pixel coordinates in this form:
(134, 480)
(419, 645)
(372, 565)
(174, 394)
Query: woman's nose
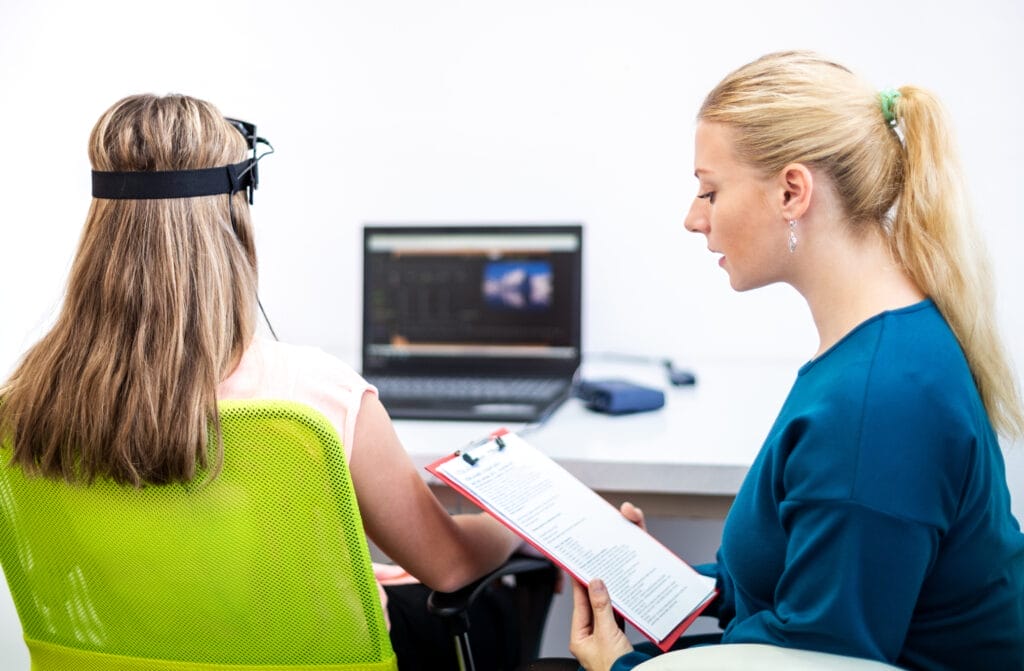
(696, 220)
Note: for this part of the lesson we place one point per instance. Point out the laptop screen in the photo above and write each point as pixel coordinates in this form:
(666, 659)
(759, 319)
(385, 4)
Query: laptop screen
(458, 298)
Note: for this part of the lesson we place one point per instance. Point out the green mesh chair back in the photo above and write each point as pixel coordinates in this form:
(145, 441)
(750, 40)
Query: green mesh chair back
(264, 567)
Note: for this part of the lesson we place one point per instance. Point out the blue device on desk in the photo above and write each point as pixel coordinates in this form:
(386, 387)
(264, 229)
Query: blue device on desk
(618, 397)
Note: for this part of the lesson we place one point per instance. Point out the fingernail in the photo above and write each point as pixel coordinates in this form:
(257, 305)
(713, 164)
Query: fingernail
(597, 585)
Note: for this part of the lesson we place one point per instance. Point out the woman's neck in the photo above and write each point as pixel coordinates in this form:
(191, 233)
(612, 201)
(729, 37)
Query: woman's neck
(851, 280)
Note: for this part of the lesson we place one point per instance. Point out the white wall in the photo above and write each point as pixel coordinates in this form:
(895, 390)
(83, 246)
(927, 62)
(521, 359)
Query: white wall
(481, 111)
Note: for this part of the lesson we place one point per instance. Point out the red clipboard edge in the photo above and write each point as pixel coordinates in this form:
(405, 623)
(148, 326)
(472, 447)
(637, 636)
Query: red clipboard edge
(662, 645)
(671, 639)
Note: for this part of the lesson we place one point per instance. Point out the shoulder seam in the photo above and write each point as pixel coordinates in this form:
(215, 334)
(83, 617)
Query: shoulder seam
(864, 405)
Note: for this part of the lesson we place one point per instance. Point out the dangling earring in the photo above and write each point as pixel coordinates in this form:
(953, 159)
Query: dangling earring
(792, 235)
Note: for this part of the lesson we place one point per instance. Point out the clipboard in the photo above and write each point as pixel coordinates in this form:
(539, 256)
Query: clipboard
(549, 508)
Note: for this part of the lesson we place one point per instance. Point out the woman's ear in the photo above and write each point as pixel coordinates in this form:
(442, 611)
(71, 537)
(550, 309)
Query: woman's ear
(797, 184)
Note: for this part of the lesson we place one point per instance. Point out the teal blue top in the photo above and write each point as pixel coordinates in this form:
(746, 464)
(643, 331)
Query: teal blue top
(875, 521)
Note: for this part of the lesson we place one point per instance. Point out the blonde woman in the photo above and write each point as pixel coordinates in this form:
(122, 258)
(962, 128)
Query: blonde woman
(875, 521)
(158, 323)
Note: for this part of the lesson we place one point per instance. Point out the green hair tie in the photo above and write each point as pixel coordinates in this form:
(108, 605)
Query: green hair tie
(888, 99)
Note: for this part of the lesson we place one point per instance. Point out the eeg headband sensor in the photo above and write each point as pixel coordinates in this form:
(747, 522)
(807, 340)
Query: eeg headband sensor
(186, 183)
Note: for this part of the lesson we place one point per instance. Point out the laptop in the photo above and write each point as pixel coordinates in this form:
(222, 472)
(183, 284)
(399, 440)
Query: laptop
(472, 322)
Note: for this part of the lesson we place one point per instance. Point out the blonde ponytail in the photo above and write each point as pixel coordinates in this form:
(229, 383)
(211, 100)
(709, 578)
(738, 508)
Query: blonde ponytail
(934, 236)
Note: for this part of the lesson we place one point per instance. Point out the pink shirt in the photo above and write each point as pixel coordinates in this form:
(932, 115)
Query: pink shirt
(274, 370)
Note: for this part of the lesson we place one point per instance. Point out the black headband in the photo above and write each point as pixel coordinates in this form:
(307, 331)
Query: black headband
(185, 183)
(173, 183)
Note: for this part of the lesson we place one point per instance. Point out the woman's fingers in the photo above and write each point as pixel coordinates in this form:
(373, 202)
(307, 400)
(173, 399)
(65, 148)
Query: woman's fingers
(604, 623)
(596, 639)
(633, 514)
(582, 617)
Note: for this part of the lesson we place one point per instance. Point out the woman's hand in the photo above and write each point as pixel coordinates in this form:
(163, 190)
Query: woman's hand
(633, 514)
(595, 638)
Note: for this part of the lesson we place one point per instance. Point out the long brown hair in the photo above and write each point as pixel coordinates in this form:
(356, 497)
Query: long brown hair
(791, 107)
(159, 308)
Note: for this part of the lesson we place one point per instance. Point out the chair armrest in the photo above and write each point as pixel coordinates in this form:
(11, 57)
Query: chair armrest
(535, 582)
(452, 607)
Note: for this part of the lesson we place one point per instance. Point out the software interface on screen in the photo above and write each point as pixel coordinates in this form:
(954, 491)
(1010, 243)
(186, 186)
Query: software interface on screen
(497, 294)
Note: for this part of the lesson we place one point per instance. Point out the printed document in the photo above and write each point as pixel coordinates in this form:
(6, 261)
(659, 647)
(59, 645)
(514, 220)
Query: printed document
(581, 532)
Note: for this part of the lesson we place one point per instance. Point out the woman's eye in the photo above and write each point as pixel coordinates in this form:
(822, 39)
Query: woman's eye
(709, 195)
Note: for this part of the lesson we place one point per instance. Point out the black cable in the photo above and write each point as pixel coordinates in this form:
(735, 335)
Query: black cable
(266, 319)
(677, 377)
(234, 229)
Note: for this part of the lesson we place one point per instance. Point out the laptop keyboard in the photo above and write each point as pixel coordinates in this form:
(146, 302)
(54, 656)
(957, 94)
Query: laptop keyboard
(469, 388)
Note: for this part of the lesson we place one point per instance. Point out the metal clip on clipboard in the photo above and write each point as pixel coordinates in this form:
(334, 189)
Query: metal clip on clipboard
(496, 437)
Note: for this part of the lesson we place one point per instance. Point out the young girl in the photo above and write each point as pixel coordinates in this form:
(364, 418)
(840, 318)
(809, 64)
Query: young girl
(158, 324)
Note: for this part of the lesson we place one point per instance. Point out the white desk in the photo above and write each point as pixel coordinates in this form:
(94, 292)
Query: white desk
(687, 459)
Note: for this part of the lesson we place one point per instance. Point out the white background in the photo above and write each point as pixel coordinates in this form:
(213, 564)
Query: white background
(452, 111)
